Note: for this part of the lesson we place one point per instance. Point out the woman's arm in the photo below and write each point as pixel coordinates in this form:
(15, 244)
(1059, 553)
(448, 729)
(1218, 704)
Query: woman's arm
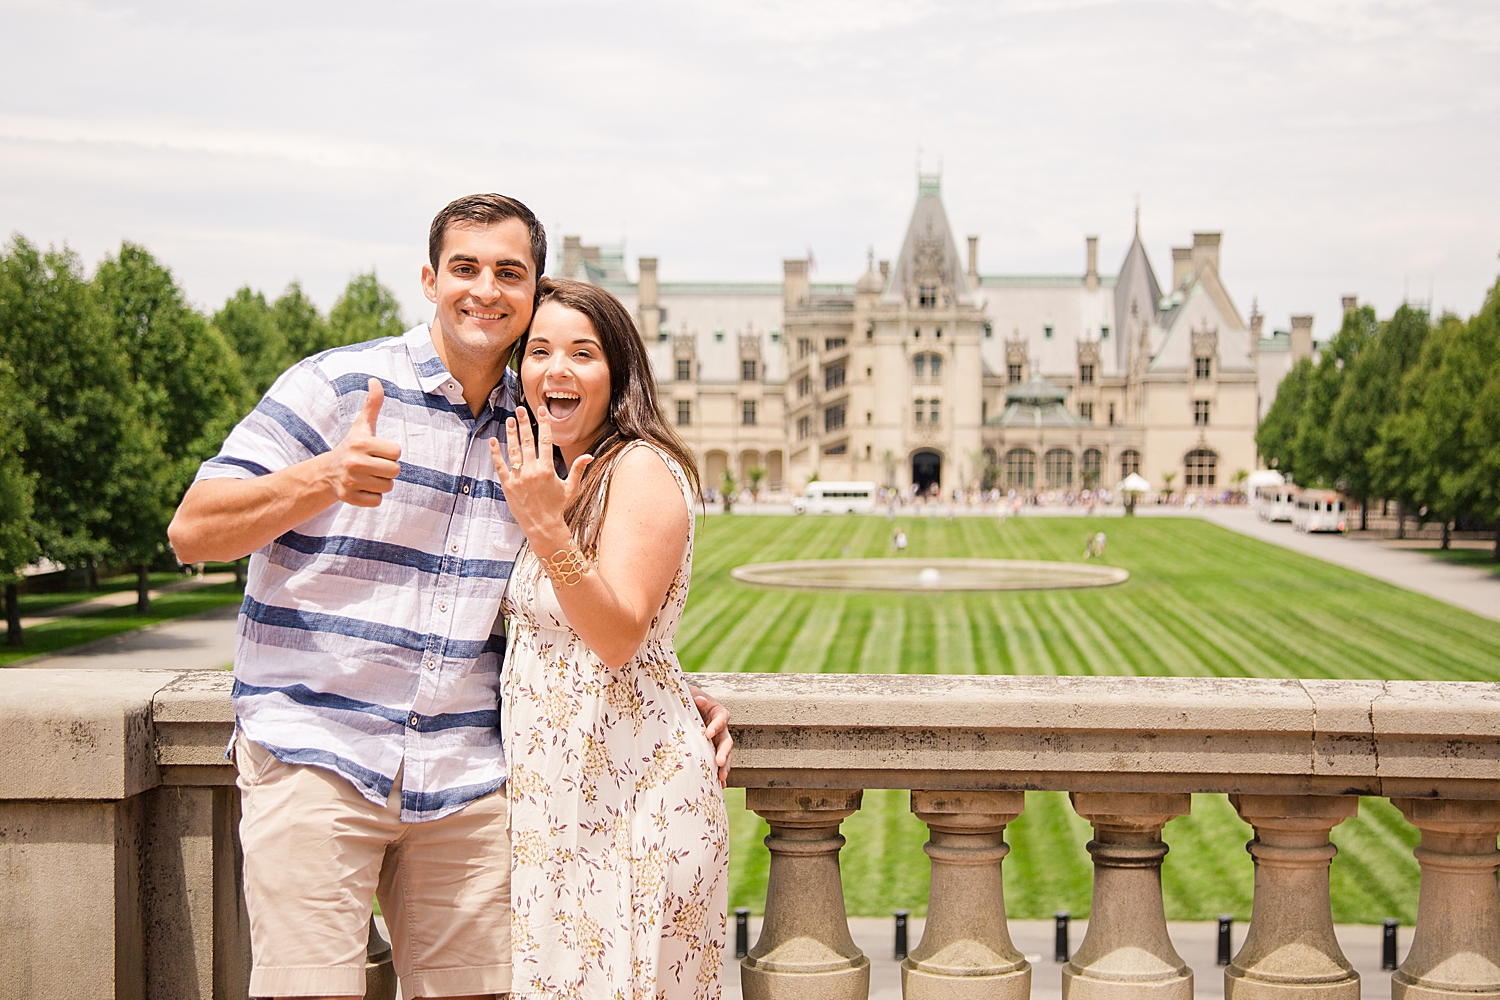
(640, 544)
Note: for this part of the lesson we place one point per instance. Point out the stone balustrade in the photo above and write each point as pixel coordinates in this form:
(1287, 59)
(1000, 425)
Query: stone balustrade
(119, 860)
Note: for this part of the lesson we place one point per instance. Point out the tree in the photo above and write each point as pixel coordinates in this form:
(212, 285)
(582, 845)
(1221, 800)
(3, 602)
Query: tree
(249, 324)
(96, 464)
(301, 325)
(17, 541)
(191, 388)
(1275, 437)
(756, 476)
(727, 488)
(1353, 423)
(1469, 478)
(1166, 483)
(365, 311)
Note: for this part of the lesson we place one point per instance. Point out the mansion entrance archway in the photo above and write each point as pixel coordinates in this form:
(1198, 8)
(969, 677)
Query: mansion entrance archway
(926, 470)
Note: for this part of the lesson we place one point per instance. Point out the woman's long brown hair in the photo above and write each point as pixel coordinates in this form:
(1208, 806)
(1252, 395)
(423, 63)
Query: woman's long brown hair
(633, 411)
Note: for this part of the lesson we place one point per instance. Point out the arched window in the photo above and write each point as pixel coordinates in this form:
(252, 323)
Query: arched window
(1201, 466)
(1093, 461)
(927, 365)
(1057, 465)
(1130, 462)
(1020, 469)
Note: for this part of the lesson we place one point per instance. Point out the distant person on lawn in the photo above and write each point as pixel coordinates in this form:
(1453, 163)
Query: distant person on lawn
(366, 690)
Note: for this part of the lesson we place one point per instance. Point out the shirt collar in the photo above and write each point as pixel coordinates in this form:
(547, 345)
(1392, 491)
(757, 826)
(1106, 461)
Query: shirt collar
(433, 376)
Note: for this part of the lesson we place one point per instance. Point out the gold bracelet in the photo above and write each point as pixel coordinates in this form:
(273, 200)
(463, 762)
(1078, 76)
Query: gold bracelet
(567, 566)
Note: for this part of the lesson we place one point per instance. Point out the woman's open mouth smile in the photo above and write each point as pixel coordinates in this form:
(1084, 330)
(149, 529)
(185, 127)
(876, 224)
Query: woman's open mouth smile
(561, 403)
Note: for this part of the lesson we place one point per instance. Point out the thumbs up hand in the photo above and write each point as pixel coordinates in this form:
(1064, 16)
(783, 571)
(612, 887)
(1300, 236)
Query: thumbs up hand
(363, 467)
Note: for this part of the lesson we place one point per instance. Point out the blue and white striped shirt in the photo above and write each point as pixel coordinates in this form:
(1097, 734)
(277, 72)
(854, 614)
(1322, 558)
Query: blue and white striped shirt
(372, 636)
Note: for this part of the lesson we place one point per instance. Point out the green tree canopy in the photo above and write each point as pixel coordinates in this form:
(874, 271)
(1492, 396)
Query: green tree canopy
(365, 311)
(249, 324)
(301, 325)
(95, 462)
(17, 534)
(189, 380)
(1277, 434)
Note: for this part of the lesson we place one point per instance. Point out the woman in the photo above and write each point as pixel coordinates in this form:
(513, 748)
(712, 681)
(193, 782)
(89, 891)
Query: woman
(619, 839)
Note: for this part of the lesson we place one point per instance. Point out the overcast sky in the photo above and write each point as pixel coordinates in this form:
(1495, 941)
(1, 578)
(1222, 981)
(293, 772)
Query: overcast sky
(1341, 147)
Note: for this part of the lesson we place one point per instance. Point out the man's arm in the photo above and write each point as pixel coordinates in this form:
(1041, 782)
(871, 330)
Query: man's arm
(225, 519)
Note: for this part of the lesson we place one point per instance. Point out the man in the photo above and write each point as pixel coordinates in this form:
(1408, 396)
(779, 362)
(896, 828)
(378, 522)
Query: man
(367, 669)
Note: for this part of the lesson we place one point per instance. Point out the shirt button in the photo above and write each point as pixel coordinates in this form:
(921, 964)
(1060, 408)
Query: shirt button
(454, 547)
(442, 607)
(429, 665)
(466, 487)
(413, 720)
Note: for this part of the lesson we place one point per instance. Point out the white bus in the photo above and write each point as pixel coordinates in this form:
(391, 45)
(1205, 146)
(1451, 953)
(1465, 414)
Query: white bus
(1318, 510)
(836, 498)
(1276, 503)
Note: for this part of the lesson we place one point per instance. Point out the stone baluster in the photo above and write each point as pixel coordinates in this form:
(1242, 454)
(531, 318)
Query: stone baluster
(966, 952)
(1455, 950)
(1291, 951)
(1126, 953)
(804, 950)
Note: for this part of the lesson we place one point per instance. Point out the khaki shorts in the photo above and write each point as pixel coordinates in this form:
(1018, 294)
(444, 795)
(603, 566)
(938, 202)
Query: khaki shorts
(317, 851)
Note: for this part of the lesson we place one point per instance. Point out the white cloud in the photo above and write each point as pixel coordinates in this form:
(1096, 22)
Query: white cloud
(1341, 146)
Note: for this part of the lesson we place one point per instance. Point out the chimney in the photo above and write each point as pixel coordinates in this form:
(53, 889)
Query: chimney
(646, 295)
(1091, 276)
(1206, 249)
(794, 282)
(1351, 303)
(572, 256)
(1256, 322)
(1302, 342)
(1182, 265)
(885, 272)
(974, 261)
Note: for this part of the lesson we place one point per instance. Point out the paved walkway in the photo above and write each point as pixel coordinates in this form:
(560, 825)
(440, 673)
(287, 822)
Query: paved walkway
(197, 642)
(1467, 587)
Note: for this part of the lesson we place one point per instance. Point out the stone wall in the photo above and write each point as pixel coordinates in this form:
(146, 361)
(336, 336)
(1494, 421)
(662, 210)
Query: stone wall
(119, 860)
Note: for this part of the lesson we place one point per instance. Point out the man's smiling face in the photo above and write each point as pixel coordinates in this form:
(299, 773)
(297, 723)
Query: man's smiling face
(484, 290)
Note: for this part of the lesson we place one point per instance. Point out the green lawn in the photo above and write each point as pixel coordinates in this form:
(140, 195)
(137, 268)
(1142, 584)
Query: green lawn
(1201, 601)
(1478, 558)
(74, 631)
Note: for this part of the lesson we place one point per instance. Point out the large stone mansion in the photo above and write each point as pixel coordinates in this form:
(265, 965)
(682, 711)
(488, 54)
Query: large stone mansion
(926, 373)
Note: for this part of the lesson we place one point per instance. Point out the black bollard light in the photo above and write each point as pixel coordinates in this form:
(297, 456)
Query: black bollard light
(1388, 944)
(901, 916)
(1061, 950)
(1226, 925)
(741, 931)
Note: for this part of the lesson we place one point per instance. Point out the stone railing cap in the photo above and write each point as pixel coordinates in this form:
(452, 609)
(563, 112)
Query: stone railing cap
(77, 734)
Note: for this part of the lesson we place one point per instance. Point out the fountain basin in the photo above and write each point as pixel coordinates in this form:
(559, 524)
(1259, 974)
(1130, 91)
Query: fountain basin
(919, 575)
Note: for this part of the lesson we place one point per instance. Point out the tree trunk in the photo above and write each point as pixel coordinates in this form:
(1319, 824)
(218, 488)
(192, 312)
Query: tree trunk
(93, 577)
(1445, 534)
(13, 614)
(1400, 519)
(239, 573)
(1497, 543)
(143, 588)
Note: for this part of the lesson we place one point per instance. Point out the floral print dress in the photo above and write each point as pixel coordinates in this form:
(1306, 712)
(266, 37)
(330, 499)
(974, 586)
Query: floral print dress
(619, 838)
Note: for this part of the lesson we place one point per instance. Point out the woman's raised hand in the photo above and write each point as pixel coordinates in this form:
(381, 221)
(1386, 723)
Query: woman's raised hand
(533, 491)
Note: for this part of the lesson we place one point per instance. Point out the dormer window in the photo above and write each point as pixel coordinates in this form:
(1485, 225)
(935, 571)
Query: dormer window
(684, 370)
(747, 370)
(924, 365)
(1085, 374)
(1203, 368)
(927, 296)
(1047, 331)
(1104, 333)
(1013, 374)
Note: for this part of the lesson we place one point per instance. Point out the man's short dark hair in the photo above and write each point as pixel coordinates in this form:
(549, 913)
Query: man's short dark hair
(486, 210)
